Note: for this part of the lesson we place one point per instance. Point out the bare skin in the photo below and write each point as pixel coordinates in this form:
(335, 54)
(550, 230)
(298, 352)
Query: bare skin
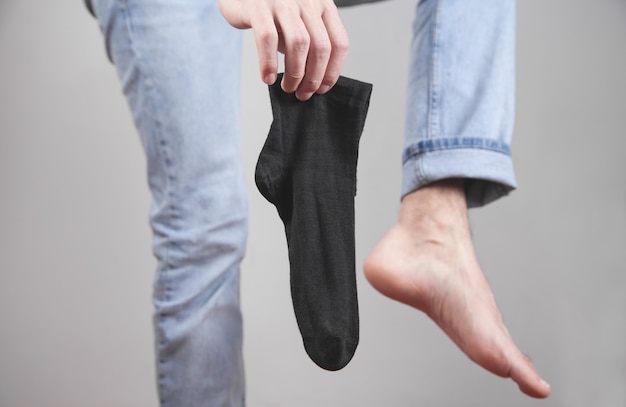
(427, 261)
(309, 33)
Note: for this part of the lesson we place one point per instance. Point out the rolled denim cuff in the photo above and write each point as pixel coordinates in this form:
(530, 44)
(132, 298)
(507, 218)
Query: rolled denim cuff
(485, 164)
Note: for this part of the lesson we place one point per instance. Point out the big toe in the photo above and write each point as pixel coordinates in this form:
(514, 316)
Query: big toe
(528, 380)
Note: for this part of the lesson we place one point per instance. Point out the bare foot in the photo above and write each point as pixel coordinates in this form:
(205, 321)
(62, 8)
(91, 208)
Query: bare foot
(427, 261)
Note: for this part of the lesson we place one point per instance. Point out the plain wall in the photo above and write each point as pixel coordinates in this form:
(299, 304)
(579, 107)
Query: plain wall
(76, 267)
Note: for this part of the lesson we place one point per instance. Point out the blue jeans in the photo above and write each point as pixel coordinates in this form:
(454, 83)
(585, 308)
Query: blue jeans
(460, 97)
(178, 62)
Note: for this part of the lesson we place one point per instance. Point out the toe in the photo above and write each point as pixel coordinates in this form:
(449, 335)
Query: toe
(528, 380)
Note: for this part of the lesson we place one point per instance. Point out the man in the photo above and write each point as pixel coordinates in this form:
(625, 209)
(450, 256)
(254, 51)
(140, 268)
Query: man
(178, 61)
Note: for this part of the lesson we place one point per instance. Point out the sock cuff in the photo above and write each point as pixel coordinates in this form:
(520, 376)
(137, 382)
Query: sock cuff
(342, 110)
(352, 98)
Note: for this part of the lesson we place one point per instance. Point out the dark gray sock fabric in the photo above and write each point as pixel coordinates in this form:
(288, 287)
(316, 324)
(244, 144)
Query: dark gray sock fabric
(307, 169)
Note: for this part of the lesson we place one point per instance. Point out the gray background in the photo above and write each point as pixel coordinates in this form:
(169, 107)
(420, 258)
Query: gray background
(76, 266)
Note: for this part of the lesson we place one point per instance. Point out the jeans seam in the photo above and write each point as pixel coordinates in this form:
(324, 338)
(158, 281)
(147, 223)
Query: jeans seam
(434, 86)
(435, 79)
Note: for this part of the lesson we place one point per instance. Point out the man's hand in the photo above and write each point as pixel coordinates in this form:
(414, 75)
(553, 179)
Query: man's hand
(308, 32)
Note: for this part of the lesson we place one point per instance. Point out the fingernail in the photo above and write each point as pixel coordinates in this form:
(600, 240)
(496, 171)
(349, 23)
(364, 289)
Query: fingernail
(270, 79)
(305, 96)
(545, 384)
(323, 89)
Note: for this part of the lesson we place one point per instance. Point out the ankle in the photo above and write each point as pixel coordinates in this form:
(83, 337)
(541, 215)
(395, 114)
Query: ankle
(437, 207)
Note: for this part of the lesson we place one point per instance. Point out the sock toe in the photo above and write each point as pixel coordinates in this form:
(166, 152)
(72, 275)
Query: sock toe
(330, 352)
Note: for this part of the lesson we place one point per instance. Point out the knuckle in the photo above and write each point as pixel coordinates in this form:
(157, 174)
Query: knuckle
(268, 38)
(300, 43)
(322, 49)
(340, 41)
(341, 46)
(295, 77)
(311, 85)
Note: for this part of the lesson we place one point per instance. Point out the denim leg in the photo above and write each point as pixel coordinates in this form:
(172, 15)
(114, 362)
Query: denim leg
(179, 64)
(460, 99)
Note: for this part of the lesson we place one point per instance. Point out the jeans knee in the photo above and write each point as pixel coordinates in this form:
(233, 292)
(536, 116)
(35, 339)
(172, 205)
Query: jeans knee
(193, 235)
(199, 255)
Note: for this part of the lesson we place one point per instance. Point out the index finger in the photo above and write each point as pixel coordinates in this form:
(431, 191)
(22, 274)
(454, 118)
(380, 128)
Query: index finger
(340, 45)
(266, 38)
(296, 40)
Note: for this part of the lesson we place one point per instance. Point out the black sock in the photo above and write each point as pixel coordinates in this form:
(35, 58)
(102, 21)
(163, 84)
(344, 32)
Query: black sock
(307, 169)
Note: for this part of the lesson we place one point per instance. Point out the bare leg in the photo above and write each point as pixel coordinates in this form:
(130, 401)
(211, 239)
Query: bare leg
(427, 261)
